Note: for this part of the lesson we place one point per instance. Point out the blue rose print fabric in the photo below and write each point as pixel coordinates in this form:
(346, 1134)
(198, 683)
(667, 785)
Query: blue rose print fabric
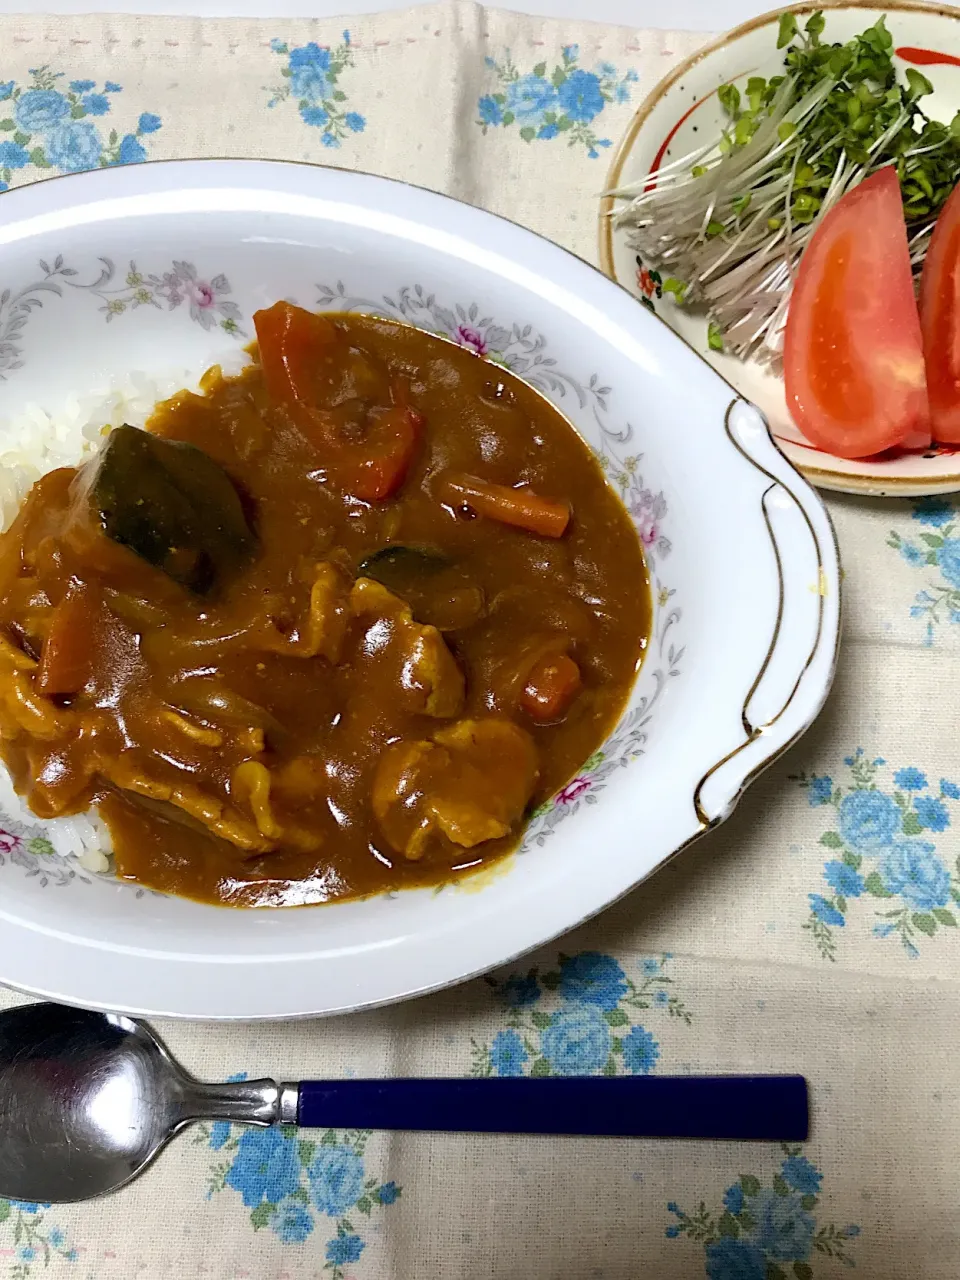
(818, 931)
(311, 79)
(931, 546)
(67, 125)
(581, 1018)
(564, 102)
(759, 1231)
(883, 847)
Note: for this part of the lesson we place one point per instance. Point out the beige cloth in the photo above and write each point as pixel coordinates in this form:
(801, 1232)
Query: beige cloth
(755, 980)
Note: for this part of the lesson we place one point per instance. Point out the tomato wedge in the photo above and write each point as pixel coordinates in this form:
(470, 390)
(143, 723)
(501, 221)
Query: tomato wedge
(853, 361)
(940, 322)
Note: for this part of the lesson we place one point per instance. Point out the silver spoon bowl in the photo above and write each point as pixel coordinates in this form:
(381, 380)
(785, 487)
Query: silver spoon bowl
(87, 1100)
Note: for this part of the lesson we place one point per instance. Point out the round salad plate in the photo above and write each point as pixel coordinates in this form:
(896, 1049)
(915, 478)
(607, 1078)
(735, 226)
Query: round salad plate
(682, 113)
(133, 279)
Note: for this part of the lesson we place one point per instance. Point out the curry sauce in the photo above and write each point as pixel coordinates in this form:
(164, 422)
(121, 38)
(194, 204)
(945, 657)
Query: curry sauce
(335, 626)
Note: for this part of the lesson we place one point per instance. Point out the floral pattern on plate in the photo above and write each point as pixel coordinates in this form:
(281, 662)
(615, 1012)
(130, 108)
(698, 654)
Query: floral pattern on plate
(311, 79)
(30, 849)
(564, 103)
(207, 299)
(880, 850)
(294, 1185)
(766, 1233)
(935, 547)
(649, 284)
(26, 846)
(579, 1019)
(46, 125)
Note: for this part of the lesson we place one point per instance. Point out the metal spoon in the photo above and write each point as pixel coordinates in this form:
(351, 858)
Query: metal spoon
(88, 1099)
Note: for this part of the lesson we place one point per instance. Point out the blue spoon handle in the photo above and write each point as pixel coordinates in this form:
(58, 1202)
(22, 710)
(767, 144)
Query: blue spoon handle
(759, 1108)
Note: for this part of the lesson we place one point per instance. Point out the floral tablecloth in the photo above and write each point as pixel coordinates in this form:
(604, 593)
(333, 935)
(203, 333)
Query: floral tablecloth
(816, 932)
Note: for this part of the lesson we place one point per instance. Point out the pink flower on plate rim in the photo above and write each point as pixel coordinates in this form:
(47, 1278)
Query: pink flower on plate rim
(573, 790)
(647, 529)
(207, 299)
(648, 509)
(472, 339)
(9, 842)
(200, 293)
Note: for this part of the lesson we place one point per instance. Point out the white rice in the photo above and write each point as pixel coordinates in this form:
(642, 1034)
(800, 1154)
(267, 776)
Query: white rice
(38, 440)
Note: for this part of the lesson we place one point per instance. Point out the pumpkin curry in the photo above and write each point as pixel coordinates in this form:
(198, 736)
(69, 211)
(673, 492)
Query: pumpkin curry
(332, 627)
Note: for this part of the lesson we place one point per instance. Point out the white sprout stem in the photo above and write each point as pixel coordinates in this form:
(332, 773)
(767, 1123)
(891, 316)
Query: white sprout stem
(724, 220)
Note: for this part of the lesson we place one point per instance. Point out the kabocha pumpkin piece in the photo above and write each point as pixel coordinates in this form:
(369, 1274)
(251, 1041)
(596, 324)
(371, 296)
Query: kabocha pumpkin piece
(439, 590)
(174, 506)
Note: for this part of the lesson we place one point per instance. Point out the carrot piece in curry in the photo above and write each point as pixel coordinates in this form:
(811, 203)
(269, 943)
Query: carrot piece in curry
(521, 508)
(69, 651)
(551, 686)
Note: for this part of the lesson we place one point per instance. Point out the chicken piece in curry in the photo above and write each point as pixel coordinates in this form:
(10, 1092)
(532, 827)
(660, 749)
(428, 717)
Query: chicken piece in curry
(332, 627)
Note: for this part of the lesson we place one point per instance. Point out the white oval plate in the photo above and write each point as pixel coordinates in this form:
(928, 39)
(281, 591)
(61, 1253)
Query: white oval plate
(160, 267)
(683, 111)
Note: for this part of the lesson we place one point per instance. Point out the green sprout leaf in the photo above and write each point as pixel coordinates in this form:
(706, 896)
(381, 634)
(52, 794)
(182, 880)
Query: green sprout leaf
(753, 196)
(815, 25)
(788, 29)
(918, 85)
(729, 96)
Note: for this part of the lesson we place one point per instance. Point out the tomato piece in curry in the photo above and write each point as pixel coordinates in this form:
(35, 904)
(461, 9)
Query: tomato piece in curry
(333, 627)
